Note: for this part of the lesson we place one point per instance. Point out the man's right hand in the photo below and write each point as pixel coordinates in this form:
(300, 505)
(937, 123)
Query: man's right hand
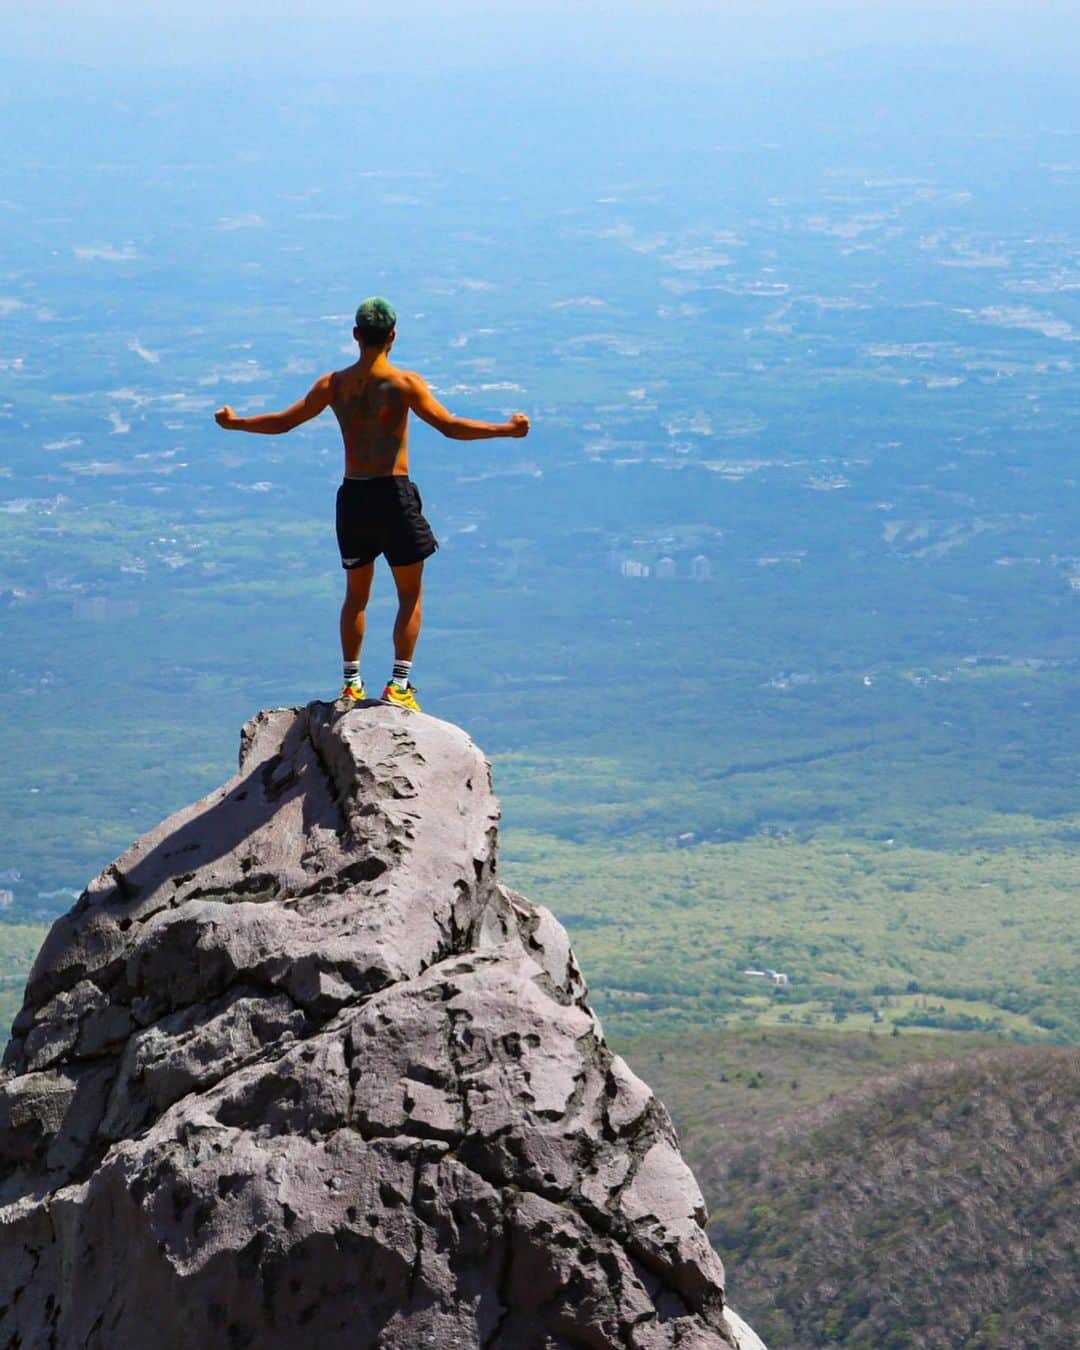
(519, 425)
(225, 417)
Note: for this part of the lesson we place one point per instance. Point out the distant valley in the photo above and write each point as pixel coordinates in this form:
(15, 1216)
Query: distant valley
(769, 627)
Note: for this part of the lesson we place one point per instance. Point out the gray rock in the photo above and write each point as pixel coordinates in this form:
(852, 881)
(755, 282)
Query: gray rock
(297, 1070)
(745, 1337)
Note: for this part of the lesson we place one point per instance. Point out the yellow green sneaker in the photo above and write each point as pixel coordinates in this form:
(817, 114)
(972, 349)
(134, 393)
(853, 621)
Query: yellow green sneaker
(401, 698)
(352, 693)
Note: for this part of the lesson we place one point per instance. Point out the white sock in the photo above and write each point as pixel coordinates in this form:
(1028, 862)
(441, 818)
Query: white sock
(352, 672)
(400, 676)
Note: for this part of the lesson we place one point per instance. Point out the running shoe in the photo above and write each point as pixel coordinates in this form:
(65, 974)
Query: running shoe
(352, 693)
(401, 698)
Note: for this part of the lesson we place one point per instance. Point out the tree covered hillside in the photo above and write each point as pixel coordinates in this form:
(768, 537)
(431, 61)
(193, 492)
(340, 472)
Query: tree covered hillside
(935, 1209)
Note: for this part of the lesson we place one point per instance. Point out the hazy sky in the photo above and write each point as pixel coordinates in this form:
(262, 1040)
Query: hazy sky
(533, 35)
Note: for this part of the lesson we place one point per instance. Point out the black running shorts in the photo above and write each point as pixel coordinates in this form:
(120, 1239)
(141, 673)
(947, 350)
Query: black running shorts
(382, 515)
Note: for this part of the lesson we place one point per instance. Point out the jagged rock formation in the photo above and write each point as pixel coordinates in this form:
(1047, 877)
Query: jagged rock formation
(297, 1071)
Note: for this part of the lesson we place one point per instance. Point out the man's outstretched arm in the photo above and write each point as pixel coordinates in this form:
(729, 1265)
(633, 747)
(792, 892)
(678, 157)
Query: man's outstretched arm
(427, 407)
(273, 424)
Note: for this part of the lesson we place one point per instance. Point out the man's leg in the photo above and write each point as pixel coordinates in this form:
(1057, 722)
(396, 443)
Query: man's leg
(399, 689)
(409, 583)
(357, 590)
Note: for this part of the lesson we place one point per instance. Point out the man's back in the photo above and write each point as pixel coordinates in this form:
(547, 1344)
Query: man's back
(372, 409)
(372, 401)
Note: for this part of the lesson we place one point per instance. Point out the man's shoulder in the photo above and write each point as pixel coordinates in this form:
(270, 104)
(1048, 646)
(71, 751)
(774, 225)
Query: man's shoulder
(408, 382)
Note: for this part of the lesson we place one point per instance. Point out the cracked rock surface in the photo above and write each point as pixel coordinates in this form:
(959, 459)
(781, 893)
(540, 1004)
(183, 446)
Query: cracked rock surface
(296, 1070)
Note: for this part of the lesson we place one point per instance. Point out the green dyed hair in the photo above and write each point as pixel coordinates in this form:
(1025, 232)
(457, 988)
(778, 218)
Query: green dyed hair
(375, 320)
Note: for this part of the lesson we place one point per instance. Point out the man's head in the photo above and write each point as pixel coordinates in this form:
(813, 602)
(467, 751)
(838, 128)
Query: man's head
(375, 320)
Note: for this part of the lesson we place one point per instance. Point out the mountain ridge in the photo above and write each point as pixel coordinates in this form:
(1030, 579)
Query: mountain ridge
(956, 1178)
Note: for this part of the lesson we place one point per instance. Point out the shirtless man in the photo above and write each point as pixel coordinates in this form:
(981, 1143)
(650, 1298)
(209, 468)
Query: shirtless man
(378, 506)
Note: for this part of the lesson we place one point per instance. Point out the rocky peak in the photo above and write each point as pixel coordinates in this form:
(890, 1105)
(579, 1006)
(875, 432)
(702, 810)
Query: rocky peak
(298, 1070)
